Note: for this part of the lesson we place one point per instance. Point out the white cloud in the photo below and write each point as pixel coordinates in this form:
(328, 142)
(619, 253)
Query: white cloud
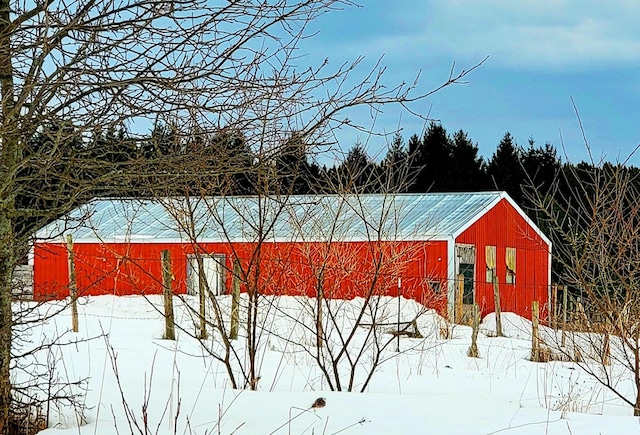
(543, 35)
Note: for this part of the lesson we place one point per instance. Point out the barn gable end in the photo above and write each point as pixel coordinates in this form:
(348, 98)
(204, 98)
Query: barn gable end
(509, 245)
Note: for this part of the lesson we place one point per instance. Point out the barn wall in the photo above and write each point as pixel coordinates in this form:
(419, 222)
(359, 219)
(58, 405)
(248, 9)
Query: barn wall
(503, 227)
(50, 271)
(350, 269)
(118, 269)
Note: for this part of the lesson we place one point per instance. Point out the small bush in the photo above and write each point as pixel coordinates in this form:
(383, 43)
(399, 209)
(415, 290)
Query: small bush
(26, 419)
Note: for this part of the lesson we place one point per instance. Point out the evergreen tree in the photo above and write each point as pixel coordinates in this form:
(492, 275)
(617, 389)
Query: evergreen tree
(235, 163)
(416, 163)
(467, 169)
(357, 173)
(505, 168)
(162, 141)
(293, 172)
(414, 145)
(541, 166)
(396, 167)
(46, 177)
(113, 146)
(433, 160)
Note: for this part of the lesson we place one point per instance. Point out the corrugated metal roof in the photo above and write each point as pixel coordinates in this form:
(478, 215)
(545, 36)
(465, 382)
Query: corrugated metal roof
(430, 216)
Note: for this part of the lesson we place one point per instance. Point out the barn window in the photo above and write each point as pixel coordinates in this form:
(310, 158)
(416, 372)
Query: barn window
(435, 286)
(510, 258)
(490, 255)
(213, 269)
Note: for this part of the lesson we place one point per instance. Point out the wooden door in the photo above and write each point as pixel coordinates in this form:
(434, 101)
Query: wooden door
(465, 295)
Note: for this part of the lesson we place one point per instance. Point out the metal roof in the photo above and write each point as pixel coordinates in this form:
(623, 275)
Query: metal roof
(424, 216)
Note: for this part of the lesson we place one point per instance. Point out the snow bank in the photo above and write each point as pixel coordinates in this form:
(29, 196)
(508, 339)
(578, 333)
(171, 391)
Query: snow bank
(431, 386)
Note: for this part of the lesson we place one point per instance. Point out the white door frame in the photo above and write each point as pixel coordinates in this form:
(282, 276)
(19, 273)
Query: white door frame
(214, 270)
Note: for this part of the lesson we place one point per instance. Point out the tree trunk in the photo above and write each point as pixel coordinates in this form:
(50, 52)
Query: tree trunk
(252, 337)
(170, 333)
(9, 158)
(319, 302)
(6, 269)
(636, 362)
(73, 287)
(564, 315)
(235, 299)
(203, 289)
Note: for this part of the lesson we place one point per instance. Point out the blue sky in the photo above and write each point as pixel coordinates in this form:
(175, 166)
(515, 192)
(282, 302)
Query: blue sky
(541, 54)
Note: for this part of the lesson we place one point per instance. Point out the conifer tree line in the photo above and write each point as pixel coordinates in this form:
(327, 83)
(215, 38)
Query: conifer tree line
(436, 161)
(167, 161)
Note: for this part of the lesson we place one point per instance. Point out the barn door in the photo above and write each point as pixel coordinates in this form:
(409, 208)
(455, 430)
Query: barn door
(465, 273)
(213, 268)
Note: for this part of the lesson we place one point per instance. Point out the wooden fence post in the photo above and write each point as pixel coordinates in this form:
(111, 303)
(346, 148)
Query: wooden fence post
(203, 287)
(498, 310)
(564, 314)
(606, 349)
(582, 313)
(535, 339)
(473, 349)
(553, 306)
(235, 299)
(167, 276)
(458, 301)
(73, 286)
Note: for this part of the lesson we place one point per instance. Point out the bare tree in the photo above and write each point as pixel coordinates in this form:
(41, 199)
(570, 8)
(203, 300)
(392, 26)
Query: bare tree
(593, 216)
(352, 340)
(85, 66)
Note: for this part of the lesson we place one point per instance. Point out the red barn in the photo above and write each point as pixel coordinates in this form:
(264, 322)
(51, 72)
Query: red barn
(442, 249)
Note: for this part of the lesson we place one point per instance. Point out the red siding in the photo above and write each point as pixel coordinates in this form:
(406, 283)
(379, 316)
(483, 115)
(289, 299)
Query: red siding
(350, 268)
(503, 227)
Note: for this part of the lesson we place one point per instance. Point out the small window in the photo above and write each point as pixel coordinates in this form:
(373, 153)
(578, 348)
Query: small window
(435, 286)
(490, 256)
(510, 259)
(511, 277)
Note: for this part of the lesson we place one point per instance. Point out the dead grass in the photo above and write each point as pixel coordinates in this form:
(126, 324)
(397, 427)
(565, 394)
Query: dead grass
(26, 419)
(547, 354)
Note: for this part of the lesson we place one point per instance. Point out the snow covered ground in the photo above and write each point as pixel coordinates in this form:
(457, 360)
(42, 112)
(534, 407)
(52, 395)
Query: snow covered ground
(430, 387)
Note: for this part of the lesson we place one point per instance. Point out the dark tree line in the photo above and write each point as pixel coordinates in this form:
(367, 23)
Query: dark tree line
(165, 160)
(434, 162)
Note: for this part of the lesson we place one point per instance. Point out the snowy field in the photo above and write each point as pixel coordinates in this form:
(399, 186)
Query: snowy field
(430, 387)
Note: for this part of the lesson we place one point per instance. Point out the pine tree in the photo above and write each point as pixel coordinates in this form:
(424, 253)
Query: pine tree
(541, 166)
(434, 160)
(232, 155)
(505, 168)
(416, 163)
(357, 173)
(293, 172)
(467, 168)
(396, 167)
